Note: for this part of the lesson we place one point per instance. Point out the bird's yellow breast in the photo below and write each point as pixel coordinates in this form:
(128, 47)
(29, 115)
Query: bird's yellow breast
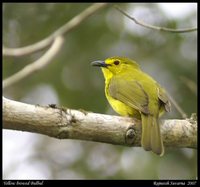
(119, 107)
(122, 109)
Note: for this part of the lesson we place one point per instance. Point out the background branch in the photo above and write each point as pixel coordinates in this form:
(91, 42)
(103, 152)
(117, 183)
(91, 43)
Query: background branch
(76, 124)
(73, 23)
(176, 105)
(37, 65)
(141, 23)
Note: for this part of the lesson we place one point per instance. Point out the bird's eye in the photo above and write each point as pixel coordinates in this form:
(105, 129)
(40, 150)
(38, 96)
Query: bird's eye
(116, 62)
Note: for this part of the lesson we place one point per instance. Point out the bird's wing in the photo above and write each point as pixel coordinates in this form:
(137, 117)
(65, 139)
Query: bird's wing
(163, 98)
(130, 93)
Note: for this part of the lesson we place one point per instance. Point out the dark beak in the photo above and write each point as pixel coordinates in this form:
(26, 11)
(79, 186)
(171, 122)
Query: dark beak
(99, 63)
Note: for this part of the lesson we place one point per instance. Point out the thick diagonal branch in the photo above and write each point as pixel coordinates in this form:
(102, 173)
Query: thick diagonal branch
(63, 30)
(39, 64)
(76, 124)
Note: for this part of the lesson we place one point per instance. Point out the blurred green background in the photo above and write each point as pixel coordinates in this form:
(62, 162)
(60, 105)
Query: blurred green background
(70, 81)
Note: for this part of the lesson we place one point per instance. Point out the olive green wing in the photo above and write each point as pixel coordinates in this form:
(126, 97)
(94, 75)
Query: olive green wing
(164, 99)
(130, 92)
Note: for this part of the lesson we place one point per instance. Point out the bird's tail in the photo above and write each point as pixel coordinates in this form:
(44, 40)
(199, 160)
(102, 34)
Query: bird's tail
(151, 136)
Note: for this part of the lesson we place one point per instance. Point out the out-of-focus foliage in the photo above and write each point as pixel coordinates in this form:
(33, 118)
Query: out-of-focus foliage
(70, 81)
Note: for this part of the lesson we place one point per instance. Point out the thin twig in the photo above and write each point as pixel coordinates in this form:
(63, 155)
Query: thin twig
(73, 23)
(36, 65)
(178, 108)
(190, 84)
(141, 23)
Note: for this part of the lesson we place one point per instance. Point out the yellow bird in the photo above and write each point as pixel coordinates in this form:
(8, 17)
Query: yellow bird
(131, 92)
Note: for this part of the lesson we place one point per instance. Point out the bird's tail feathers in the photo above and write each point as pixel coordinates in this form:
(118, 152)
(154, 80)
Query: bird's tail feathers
(151, 136)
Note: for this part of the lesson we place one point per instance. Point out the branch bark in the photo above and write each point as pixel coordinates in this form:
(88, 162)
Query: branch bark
(66, 123)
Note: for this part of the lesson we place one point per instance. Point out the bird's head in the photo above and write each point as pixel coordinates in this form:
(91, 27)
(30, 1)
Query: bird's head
(115, 65)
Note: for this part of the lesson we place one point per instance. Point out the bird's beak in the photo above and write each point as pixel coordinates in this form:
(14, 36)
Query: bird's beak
(99, 63)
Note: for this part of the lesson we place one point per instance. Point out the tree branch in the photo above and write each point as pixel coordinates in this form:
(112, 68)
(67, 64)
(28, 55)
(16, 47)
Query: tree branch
(176, 105)
(65, 123)
(73, 23)
(141, 23)
(37, 65)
